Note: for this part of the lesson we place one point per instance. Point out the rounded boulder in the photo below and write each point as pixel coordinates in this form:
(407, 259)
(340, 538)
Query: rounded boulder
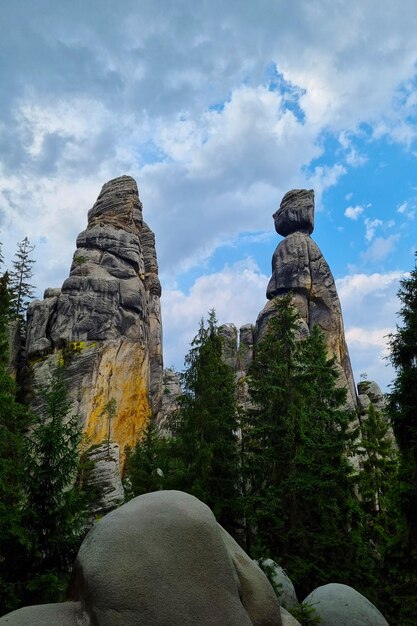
(341, 605)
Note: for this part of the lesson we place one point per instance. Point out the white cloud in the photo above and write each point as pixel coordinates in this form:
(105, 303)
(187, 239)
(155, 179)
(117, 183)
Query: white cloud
(407, 210)
(380, 249)
(370, 306)
(353, 212)
(237, 293)
(371, 226)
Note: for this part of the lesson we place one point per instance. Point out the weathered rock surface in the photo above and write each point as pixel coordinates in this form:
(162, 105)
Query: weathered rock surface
(245, 346)
(161, 560)
(228, 334)
(370, 392)
(340, 605)
(256, 593)
(105, 322)
(299, 266)
(288, 619)
(171, 389)
(296, 212)
(103, 479)
(283, 585)
(62, 614)
(14, 347)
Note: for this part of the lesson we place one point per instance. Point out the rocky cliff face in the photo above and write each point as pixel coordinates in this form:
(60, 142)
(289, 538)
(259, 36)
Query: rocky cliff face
(299, 266)
(105, 322)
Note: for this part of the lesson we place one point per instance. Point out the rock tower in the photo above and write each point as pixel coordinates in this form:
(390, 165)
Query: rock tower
(105, 322)
(299, 266)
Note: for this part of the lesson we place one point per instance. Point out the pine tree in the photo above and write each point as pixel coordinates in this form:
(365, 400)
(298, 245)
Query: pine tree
(146, 464)
(403, 401)
(401, 557)
(204, 446)
(55, 511)
(377, 468)
(14, 421)
(300, 500)
(21, 289)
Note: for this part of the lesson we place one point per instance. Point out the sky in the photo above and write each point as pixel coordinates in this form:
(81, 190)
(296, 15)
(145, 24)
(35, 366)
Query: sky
(218, 109)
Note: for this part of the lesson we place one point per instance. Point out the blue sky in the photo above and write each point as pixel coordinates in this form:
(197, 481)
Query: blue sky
(217, 110)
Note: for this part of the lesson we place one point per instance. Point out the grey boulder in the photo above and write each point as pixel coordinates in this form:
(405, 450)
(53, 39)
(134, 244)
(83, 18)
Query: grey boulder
(62, 614)
(341, 605)
(160, 560)
(283, 585)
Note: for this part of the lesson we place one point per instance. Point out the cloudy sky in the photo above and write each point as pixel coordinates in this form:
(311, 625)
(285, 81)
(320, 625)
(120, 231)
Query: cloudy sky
(217, 109)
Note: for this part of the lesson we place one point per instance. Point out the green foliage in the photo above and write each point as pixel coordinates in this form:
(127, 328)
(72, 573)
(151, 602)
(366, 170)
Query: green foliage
(403, 401)
(14, 421)
(306, 614)
(203, 449)
(20, 287)
(401, 555)
(300, 503)
(54, 511)
(377, 475)
(146, 464)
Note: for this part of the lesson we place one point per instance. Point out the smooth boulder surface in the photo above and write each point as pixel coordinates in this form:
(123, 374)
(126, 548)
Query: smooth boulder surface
(341, 605)
(288, 619)
(160, 560)
(62, 614)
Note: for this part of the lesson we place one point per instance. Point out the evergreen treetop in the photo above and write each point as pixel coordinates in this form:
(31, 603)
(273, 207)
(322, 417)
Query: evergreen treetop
(21, 288)
(204, 448)
(300, 500)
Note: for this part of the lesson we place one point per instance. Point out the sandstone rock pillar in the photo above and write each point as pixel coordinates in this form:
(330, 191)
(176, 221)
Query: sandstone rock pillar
(105, 322)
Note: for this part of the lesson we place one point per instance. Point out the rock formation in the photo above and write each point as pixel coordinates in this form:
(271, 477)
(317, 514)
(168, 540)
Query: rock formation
(299, 266)
(105, 322)
(160, 560)
(171, 389)
(340, 605)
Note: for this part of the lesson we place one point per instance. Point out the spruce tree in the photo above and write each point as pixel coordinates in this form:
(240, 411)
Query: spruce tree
(377, 471)
(55, 511)
(146, 463)
(21, 288)
(300, 500)
(401, 556)
(14, 421)
(403, 401)
(203, 450)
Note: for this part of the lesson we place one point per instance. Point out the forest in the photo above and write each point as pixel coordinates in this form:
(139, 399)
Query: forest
(273, 454)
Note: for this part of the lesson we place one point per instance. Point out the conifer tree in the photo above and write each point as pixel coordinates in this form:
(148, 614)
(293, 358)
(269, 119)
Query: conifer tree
(204, 449)
(21, 288)
(146, 463)
(55, 511)
(377, 469)
(401, 556)
(403, 401)
(14, 420)
(300, 499)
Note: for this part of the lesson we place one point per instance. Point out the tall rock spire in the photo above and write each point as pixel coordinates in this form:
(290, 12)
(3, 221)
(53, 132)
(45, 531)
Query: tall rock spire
(105, 322)
(298, 265)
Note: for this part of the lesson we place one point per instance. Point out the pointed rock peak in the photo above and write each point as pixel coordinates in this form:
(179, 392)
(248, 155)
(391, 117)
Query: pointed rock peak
(296, 212)
(118, 204)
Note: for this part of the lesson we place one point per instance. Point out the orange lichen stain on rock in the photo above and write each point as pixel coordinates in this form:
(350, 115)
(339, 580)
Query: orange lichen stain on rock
(122, 375)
